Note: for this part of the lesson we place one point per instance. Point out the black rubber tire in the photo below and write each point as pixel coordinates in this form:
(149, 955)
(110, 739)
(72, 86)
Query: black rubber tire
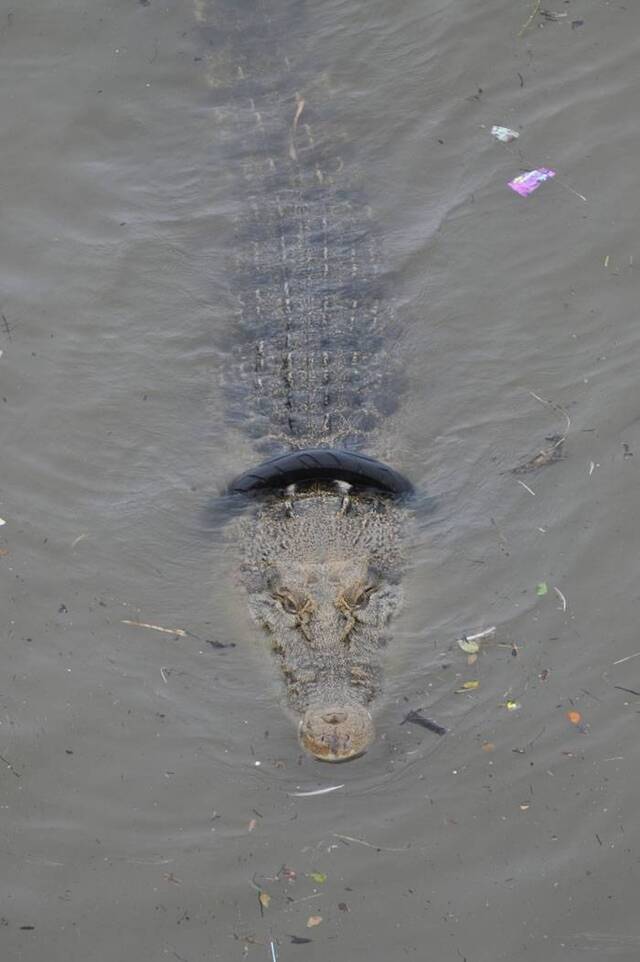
(321, 464)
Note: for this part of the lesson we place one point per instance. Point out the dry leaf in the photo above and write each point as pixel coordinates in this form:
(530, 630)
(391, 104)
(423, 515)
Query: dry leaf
(264, 900)
(318, 877)
(488, 746)
(574, 717)
(512, 705)
(313, 920)
(252, 824)
(470, 647)
(472, 659)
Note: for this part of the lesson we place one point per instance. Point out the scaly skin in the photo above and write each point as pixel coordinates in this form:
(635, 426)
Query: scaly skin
(322, 581)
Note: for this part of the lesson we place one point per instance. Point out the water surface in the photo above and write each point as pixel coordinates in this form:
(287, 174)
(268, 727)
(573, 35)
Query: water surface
(136, 820)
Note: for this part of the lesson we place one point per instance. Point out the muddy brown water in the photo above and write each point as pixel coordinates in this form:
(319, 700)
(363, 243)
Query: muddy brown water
(148, 780)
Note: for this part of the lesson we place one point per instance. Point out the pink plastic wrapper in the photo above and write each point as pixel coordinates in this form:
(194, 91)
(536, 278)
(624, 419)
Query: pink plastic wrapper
(525, 184)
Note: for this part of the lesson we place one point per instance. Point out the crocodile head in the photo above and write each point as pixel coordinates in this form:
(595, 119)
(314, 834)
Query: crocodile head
(324, 589)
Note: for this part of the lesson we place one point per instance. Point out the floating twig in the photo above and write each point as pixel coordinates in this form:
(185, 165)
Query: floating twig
(416, 718)
(556, 407)
(361, 841)
(487, 633)
(534, 13)
(566, 186)
(180, 632)
(561, 597)
(527, 488)
(549, 454)
(317, 791)
(9, 766)
(163, 672)
(299, 109)
(628, 658)
(630, 691)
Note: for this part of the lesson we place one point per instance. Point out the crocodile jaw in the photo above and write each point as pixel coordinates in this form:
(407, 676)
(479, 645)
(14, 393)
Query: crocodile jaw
(336, 733)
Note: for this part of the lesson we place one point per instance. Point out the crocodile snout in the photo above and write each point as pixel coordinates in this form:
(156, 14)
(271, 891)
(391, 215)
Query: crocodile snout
(336, 733)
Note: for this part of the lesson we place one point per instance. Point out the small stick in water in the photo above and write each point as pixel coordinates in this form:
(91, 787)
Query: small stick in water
(416, 718)
(318, 791)
(299, 109)
(180, 632)
(481, 634)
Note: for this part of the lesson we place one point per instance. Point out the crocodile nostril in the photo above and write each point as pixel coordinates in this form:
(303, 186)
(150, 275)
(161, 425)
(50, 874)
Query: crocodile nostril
(335, 717)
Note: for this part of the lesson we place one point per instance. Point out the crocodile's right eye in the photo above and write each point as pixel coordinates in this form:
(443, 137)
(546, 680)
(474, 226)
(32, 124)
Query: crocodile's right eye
(357, 596)
(286, 599)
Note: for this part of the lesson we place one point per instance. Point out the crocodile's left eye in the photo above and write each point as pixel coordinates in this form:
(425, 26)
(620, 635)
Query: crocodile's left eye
(292, 601)
(358, 595)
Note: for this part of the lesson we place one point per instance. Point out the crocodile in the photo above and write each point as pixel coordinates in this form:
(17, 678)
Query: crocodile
(310, 383)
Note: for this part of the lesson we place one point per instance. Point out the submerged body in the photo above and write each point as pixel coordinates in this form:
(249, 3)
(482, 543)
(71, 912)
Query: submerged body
(312, 371)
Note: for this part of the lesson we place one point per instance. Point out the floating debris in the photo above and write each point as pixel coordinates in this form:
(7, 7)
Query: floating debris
(554, 452)
(361, 841)
(416, 718)
(9, 766)
(541, 589)
(180, 632)
(467, 686)
(525, 184)
(561, 597)
(527, 488)
(574, 717)
(313, 920)
(469, 643)
(318, 877)
(317, 791)
(504, 134)
(512, 705)
(469, 647)
(620, 661)
(265, 900)
(534, 13)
